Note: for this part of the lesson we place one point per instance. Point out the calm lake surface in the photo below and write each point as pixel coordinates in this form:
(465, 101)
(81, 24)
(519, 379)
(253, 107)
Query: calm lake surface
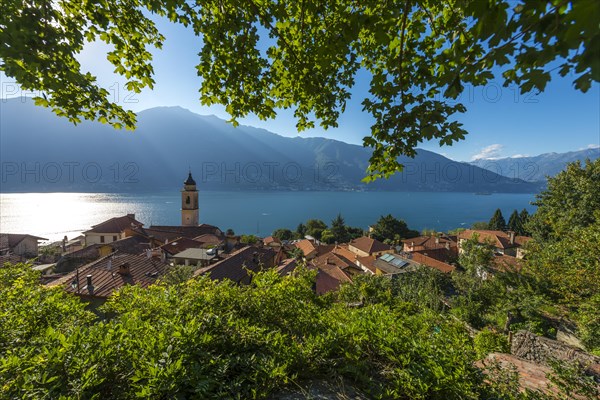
(53, 215)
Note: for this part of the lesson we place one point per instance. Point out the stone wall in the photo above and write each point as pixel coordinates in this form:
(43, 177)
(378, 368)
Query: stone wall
(541, 350)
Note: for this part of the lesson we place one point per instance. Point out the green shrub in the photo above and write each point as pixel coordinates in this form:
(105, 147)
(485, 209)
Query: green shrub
(487, 342)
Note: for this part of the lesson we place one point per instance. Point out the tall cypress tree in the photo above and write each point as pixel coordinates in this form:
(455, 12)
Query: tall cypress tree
(497, 223)
(514, 223)
(524, 219)
(339, 230)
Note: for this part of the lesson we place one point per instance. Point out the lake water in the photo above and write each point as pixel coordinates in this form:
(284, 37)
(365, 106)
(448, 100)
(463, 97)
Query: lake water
(53, 215)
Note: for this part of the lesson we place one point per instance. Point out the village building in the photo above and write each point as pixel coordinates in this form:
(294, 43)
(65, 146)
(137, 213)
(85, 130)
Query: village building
(330, 278)
(339, 257)
(99, 279)
(169, 250)
(430, 242)
(273, 242)
(286, 266)
(111, 230)
(209, 240)
(196, 257)
(11, 259)
(311, 249)
(386, 264)
(239, 265)
(365, 246)
(441, 259)
(23, 245)
(503, 243)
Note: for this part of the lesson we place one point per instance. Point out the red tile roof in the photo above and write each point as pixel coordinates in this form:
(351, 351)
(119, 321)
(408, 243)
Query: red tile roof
(424, 258)
(236, 266)
(497, 239)
(331, 258)
(430, 242)
(12, 259)
(306, 246)
(209, 239)
(342, 251)
(107, 275)
(507, 263)
(11, 240)
(287, 266)
(179, 245)
(329, 278)
(368, 262)
(270, 239)
(132, 245)
(164, 233)
(369, 245)
(116, 225)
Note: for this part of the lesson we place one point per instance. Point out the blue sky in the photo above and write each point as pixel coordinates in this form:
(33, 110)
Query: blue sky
(501, 122)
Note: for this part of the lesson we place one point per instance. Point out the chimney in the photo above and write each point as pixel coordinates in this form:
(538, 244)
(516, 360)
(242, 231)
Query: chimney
(148, 253)
(437, 240)
(132, 216)
(447, 245)
(90, 287)
(511, 234)
(124, 269)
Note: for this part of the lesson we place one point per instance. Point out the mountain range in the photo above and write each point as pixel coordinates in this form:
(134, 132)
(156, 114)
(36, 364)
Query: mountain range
(44, 153)
(537, 168)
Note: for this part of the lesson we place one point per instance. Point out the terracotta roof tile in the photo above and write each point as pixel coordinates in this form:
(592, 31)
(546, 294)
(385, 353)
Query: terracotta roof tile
(236, 265)
(306, 246)
(369, 245)
(506, 263)
(168, 233)
(110, 273)
(11, 258)
(116, 225)
(179, 245)
(368, 262)
(498, 239)
(287, 266)
(10, 240)
(132, 245)
(329, 278)
(270, 239)
(209, 239)
(430, 242)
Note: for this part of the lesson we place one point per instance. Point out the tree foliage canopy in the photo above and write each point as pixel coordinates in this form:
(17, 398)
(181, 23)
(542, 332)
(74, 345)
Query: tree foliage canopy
(392, 229)
(497, 222)
(571, 201)
(260, 56)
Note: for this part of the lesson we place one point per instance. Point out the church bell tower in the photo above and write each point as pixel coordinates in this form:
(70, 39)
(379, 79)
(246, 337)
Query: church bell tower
(189, 202)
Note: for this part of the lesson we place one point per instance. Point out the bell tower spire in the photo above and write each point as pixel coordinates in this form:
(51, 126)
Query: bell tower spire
(189, 202)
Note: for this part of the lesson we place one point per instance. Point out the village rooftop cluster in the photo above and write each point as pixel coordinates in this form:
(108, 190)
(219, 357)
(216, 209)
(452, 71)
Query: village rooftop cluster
(122, 251)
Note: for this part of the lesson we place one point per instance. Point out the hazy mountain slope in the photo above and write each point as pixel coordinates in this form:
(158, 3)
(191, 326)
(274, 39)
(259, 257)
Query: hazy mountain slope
(41, 152)
(534, 169)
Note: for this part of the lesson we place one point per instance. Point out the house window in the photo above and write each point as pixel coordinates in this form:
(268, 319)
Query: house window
(187, 201)
(101, 239)
(114, 238)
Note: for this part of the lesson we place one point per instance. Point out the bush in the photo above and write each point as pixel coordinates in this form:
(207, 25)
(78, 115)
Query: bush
(487, 342)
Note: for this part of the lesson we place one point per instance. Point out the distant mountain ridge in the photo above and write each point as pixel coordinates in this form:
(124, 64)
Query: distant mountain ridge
(41, 152)
(536, 168)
